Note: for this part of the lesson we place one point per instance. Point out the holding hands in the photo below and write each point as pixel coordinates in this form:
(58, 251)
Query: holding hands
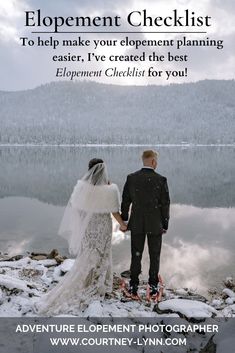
(123, 227)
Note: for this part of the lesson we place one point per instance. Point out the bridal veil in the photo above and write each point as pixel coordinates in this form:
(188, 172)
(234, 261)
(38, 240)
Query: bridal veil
(91, 195)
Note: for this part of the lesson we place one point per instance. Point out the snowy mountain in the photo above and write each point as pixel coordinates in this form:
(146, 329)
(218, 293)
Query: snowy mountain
(89, 112)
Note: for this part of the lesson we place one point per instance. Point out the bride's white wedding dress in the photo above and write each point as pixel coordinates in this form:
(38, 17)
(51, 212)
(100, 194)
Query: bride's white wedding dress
(87, 225)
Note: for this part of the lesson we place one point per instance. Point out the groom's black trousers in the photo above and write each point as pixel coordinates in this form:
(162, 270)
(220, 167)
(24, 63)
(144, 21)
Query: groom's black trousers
(137, 248)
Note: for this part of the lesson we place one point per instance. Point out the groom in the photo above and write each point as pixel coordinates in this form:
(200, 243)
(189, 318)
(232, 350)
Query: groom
(147, 192)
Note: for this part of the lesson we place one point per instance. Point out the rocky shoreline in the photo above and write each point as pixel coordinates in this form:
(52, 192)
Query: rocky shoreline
(26, 277)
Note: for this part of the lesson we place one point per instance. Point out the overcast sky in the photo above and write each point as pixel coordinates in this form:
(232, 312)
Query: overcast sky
(28, 67)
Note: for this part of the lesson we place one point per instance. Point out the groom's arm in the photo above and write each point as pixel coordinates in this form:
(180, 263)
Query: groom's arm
(165, 203)
(126, 201)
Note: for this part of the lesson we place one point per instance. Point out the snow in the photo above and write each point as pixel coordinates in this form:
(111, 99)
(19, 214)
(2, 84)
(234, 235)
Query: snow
(26, 262)
(16, 264)
(229, 293)
(217, 302)
(66, 265)
(210, 103)
(189, 308)
(46, 262)
(181, 291)
(232, 307)
(32, 278)
(95, 309)
(228, 311)
(57, 274)
(13, 283)
(229, 301)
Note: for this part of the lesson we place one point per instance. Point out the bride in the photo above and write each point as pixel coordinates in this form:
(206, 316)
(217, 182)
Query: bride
(87, 225)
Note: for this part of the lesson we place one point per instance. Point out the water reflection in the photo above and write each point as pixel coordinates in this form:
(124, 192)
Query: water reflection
(197, 250)
(199, 176)
(36, 182)
(195, 266)
(29, 224)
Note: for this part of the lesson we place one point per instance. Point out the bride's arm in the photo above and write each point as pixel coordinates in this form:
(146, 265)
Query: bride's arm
(118, 218)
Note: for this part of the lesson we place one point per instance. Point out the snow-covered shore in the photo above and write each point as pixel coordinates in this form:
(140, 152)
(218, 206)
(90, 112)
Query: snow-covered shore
(23, 279)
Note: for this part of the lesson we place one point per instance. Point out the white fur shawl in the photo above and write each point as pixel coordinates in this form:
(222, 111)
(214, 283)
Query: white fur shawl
(95, 198)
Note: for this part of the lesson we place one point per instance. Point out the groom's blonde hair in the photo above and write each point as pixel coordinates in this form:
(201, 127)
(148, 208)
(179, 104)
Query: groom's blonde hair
(149, 154)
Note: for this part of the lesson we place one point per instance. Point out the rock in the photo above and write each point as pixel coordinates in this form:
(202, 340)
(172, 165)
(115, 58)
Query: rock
(229, 301)
(53, 254)
(125, 300)
(4, 258)
(108, 296)
(229, 283)
(30, 272)
(163, 311)
(225, 338)
(213, 291)
(217, 303)
(38, 253)
(181, 291)
(116, 282)
(13, 284)
(31, 276)
(196, 297)
(39, 257)
(66, 265)
(47, 262)
(232, 307)
(210, 346)
(10, 258)
(187, 308)
(59, 259)
(32, 286)
(16, 258)
(228, 311)
(229, 293)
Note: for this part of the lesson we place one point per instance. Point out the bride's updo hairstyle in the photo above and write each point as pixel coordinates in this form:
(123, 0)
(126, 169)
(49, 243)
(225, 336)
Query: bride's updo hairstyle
(94, 161)
(97, 172)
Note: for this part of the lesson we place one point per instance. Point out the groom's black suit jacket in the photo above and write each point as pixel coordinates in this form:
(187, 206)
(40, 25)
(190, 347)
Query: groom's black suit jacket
(148, 193)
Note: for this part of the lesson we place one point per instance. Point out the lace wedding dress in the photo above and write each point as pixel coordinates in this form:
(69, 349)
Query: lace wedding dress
(91, 275)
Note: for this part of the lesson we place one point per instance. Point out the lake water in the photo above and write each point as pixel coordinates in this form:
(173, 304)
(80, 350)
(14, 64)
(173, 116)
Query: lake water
(198, 250)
